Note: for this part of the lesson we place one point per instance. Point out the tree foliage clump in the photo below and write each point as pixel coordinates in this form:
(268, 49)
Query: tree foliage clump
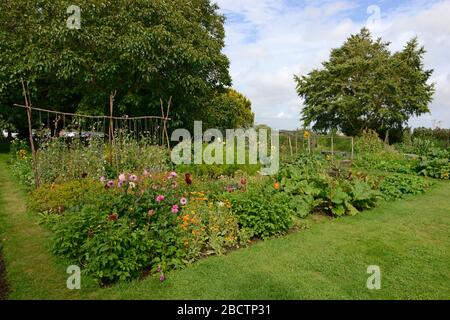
(365, 86)
(229, 109)
(146, 50)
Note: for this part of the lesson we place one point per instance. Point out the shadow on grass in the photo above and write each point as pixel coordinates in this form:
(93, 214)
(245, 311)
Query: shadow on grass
(4, 289)
(5, 147)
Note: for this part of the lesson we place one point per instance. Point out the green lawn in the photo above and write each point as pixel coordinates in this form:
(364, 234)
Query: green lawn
(408, 239)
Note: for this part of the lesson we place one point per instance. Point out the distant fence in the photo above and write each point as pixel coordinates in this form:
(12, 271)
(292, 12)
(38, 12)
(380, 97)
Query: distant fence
(293, 143)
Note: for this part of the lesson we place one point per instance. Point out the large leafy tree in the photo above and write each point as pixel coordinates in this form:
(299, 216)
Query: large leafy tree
(146, 50)
(365, 86)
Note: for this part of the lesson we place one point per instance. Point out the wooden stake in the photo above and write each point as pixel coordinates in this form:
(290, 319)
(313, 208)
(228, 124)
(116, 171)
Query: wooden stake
(111, 125)
(353, 148)
(166, 116)
(30, 132)
(309, 144)
(290, 146)
(332, 144)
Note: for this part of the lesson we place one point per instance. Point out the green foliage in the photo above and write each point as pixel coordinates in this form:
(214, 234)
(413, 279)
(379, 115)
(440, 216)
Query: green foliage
(122, 230)
(55, 198)
(397, 186)
(143, 49)
(364, 86)
(437, 166)
(214, 171)
(219, 170)
(373, 154)
(210, 228)
(119, 252)
(262, 210)
(369, 142)
(76, 160)
(439, 136)
(313, 188)
(21, 162)
(422, 146)
(228, 110)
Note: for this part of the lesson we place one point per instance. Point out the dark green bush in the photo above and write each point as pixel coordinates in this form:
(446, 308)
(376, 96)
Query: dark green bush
(262, 210)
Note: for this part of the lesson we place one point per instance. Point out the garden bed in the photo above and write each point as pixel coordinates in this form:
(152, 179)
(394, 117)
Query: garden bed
(150, 219)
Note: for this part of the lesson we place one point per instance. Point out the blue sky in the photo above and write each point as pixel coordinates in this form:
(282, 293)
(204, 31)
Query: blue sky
(268, 41)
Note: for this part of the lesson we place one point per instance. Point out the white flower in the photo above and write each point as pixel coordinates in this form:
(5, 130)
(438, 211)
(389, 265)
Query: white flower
(132, 185)
(221, 204)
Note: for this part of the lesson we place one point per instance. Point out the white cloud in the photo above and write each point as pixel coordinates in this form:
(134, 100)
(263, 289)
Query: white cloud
(269, 41)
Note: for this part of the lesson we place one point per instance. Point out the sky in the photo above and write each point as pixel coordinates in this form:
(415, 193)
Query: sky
(268, 41)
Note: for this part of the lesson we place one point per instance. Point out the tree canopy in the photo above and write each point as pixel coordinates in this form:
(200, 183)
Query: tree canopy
(365, 86)
(146, 50)
(227, 110)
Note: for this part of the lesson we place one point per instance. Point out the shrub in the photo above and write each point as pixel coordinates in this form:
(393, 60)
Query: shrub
(441, 137)
(210, 228)
(312, 187)
(397, 186)
(340, 197)
(262, 210)
(56, 198)
(369, 142)
(436, 164)
(119, 252)
(74, 229)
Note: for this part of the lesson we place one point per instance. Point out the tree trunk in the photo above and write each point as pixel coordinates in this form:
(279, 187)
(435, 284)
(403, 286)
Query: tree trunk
(386, 138)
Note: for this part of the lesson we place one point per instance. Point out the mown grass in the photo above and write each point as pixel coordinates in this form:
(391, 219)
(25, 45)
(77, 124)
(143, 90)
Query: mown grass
(408, 239)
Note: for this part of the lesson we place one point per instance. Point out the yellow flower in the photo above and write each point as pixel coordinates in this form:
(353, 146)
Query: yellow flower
(306, 135)
(22, 154)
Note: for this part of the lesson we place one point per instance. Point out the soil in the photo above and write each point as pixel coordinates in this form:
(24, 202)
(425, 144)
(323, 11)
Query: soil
(3, 285)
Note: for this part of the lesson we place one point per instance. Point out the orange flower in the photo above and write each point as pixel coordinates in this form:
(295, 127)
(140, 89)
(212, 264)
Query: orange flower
(277, 185)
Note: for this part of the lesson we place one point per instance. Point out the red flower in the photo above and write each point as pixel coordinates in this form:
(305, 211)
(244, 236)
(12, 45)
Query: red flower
(188, 178)
(113, 217)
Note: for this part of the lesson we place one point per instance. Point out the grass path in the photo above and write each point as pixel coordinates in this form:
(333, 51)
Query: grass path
(408, 239)
(32, 272)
